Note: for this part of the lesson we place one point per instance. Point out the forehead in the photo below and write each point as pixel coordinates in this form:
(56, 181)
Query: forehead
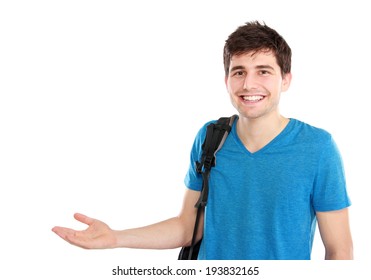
(252, 59)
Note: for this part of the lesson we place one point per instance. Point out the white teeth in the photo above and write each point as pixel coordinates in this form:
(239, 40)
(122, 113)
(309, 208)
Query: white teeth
(253, 98)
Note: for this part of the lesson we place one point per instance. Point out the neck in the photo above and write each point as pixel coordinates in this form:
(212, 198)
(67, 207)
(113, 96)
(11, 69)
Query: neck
(255, 133)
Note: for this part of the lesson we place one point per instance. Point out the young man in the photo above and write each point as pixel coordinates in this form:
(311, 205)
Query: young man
(275, 177)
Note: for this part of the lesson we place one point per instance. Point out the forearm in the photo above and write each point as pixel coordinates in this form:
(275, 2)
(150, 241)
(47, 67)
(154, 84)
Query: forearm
(168, 234)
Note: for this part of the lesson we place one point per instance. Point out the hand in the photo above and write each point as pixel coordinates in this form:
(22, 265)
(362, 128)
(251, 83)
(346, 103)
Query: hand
(97, 236)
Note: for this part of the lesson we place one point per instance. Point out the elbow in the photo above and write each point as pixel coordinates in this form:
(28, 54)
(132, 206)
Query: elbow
(340, 254)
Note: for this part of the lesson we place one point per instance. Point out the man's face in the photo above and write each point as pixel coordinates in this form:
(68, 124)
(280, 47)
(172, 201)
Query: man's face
(255, 84)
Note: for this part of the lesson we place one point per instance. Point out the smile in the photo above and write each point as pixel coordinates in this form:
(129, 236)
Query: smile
(252, 98)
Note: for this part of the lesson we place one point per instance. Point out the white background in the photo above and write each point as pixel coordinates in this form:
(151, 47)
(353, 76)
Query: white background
(100, 102)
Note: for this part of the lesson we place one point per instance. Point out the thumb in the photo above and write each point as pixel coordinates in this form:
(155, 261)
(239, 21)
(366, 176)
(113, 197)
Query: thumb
(83, 219)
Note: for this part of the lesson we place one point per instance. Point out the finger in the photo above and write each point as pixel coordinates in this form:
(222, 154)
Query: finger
(63, 232)
(71, 236)
(84, 219)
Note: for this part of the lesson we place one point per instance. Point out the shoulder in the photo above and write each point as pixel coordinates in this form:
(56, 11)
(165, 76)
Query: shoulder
(305, 131)
(202, 131)
(200, 136)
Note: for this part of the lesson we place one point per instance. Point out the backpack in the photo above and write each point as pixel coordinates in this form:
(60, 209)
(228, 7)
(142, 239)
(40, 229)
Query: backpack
(216, 133)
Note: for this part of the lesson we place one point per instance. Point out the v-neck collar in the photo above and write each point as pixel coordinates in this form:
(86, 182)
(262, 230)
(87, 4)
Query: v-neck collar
(268, 145)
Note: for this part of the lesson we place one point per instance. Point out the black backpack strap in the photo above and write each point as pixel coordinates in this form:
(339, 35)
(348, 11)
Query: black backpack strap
(216, 134)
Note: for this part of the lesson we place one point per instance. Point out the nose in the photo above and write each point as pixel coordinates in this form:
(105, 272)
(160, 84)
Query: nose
(249, 82)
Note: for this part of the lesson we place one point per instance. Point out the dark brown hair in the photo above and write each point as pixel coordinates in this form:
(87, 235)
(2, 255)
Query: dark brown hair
(256, 37)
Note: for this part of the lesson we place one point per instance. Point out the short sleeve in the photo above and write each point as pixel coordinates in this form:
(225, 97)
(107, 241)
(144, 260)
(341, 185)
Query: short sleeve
(193, 180)
(330, 190)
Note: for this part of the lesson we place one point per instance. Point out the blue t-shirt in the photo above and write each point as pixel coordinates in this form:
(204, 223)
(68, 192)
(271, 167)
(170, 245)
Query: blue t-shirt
(262, 205)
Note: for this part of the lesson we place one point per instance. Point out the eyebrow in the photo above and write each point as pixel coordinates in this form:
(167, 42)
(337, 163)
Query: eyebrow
(240, 67)
(264, 67)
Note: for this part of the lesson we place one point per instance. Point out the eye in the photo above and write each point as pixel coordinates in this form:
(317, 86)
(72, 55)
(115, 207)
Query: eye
(239, 73)
(264, 72)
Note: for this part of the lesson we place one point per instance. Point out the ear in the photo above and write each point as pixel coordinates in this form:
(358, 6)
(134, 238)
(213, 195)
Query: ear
(286, 81)
(226, 81)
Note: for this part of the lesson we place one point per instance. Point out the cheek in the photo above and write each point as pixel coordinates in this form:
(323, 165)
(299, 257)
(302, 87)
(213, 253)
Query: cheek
(234, 85)
(274, 86)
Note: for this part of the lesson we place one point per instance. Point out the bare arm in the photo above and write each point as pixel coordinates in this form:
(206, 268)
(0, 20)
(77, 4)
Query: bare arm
(335, 233)
(171, 233)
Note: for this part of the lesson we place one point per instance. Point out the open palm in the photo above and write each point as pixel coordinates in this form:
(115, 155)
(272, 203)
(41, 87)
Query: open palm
(98, 235)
